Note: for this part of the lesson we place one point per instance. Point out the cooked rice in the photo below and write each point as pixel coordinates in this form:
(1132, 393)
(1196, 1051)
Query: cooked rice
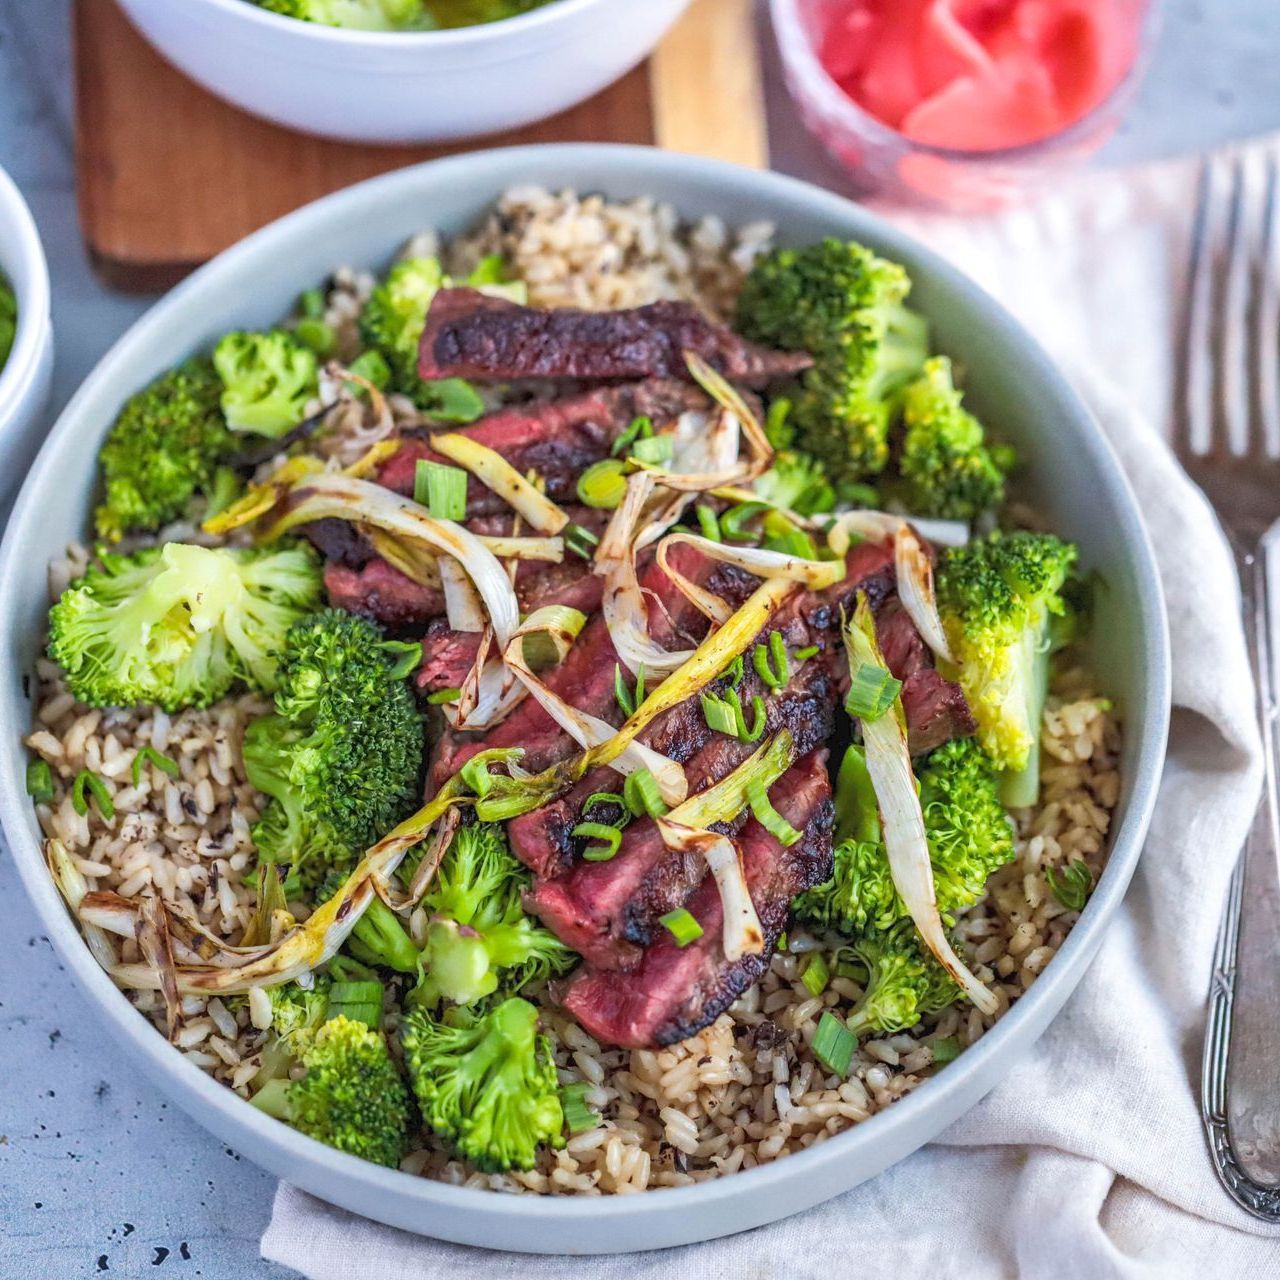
(746, 1089)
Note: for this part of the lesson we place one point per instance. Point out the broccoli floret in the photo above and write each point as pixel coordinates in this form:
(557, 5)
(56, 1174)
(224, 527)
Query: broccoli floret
(946, 467)
(295, 1012)
(357, 15)
(164, 448)
(798, 482)
(479, 934)
(394, 317)
(844, 306)
(267, 379)
(486, 1085)
(341, 756)
(351, 1097)
(179, 625)
(966, 826)
(903, 984)
(1000, 599)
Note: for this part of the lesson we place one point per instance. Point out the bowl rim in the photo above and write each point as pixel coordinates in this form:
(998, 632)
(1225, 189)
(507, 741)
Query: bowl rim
(800, 57)
(200, 1094)
(483, 33)
(33, 297)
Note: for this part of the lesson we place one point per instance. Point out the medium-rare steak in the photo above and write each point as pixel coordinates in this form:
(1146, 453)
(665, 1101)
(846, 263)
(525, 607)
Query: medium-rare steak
(381, 592)
(676, 991)
(471, 335)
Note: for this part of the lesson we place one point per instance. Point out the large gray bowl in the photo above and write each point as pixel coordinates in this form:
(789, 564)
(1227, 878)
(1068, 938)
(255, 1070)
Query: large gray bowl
(1071, 472)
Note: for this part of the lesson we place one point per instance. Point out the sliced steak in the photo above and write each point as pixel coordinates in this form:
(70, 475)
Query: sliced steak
(470, 335)
(673, 992)
(558, 439)
(340, 541)
(381, 592)
(447, 657)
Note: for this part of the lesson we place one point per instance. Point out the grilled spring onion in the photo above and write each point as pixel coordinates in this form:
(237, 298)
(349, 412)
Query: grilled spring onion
(872, 691)
(442, 490)
(603, 484)
(889, 765)
(681, 925)
(611, 837)
(494, 471)
(73, 886)
(725, 395)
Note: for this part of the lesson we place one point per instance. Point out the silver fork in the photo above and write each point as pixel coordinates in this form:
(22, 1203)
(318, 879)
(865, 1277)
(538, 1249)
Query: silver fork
(1227, 436)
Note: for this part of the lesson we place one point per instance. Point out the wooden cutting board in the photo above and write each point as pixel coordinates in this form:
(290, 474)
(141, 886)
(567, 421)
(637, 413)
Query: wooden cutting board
(160, 192)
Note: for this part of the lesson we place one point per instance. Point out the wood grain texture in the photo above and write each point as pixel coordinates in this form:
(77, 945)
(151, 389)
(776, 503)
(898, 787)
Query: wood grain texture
(707, 89)
(163, 190)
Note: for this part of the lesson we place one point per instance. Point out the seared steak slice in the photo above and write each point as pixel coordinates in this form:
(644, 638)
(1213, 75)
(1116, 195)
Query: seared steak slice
(470, 335)
(381, 592)
(558, 439)
(340, 541)
(447, 657)
(676, 991)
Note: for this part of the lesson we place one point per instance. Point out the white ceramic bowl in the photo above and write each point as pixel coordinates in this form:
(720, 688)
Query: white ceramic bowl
(404, 87)
(1071, 472)
(28, 373)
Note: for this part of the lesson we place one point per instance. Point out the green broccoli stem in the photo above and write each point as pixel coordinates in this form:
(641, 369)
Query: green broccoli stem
(857, 810)
(1020, 788)
(380, 938)
(273, 1099)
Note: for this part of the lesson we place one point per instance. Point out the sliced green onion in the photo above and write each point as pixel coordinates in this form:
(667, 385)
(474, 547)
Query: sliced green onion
(1071, 886)
(782, 534)
(149, 754)
(681, 926)
(578, 1117)
(759, 719)
(611, 836)
(409, 660)
(708, 523)
(97, 788)
(719, 715)
(441, 489)
(40, 781)
(442, 697)
(803, 655)
(767, 816)
(626, 700)
(476, 777)
(359, 1001)
(372, 367)
(778, 431)
(815, 975)
(733, 520)
(603, 484)
(655, 450)
(643, 796)
(782, 940)
(833, 1044)
(735, 671)
(872, 692)
(640, 429)
(771, 663)
(317, 335)
(725, 715)
(946, 1050)
(580, 541)
(311, 303)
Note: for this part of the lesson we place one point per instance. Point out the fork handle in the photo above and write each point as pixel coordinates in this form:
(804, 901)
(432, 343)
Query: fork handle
(1253, 1051)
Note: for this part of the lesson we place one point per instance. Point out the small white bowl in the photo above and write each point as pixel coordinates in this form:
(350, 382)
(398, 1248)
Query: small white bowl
(402, 87)
(28, 373)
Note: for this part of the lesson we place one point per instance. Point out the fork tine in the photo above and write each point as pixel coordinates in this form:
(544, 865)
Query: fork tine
(1266, 440)
(1230, 423)
(1192, 416)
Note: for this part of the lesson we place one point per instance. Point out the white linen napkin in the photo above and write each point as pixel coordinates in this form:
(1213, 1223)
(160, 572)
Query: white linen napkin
(1088, 1161)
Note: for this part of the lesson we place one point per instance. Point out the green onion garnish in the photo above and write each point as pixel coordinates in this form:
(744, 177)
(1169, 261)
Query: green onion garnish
(803, 655)
(578, 1117)
(609, 797)
(40, 781)
(833, 1044)
(946, 1050)
(719, 715)
(654, 450)
(708, 523)
(735, 671)
(725, 715)
(443, 696)
(620, 691)
(681, 926)
(643, 796)
(317, 335)
(872, 692)
(603, 484)
(778, 431)
(640, 428)
(311, 304)
(771, 663)
(476, 777)
(733, 520)
(409, 659)
(149, 755)
(1071, 886)
(782, 534)
(97, 788)
(580, 541)
(768, 817)
(815, 975)
(441, 489)
(359, 1001)
(372, 367)
(611, 836)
